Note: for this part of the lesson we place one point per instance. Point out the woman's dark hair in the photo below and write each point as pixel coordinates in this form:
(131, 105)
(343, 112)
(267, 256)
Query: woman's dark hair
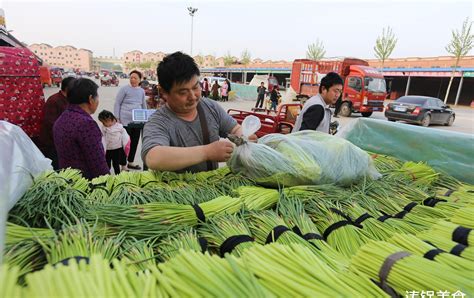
(176, 68)
(139, 74)
(330, 80)
(65, 83)
(106, 115)
(79, 91)
(228, 85)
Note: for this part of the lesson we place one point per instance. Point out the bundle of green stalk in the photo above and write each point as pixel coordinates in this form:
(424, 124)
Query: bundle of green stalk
(54, 199)
(454, 248)
(421, 217)
(384, 163)
(295, 217)
(407, 271)
(464, 217)
(338, 231)
(371, 226)
(419, 247)
(193, 274)
(417, 174)
(461, 196)
(96, 279)
(266, 226)
(117, 218)
(406, 190)
(374, 195)
(228, 233)
(8, 281)
(294, 270)
(186, 240)
(325, 192)
(185, 194)
(452, 231)
(80, 240)
(17, 233)
(257, 198)
(447, 181)
(26, 255)
(138, 255)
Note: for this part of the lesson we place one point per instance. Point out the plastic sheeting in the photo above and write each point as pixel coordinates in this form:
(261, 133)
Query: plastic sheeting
(446, 151)
(20, 161)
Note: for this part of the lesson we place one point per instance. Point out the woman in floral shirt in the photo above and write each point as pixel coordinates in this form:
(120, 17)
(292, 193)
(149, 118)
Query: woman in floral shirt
(77, 136)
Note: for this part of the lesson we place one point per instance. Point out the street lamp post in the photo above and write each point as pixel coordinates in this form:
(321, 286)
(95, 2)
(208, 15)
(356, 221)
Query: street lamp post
(192, 11)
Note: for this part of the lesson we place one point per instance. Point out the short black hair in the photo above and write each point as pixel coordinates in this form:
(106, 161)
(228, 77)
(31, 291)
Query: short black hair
(176, 68)
(139, 74)
(106, 115)
(65, 82)
(330, 80)
(80, 89)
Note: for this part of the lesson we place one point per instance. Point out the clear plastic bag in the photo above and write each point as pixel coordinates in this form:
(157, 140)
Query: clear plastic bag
(20, 162)
(302, 158)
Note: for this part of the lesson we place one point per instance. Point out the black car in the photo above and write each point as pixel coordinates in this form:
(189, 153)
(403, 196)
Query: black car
(422, 110)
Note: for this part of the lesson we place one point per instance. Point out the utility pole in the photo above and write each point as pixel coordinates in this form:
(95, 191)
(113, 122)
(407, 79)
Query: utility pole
(192, 11)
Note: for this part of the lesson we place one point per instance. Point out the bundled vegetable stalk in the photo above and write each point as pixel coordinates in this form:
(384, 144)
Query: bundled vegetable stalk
(80, 240)
(17, 233)
(138, 255)
(448, 230)
(90, 280)
(418, 247)
(373, 228)
(464, 217)
(294, 270)
(9, 276)
(339, 231)
(454, 248)
(417, 174)
(229, 233)
(54, 198)
(407, 271)
(326, 192)
(26, 255)
(192, 273)
(187, 240)
(257, 198)
(384, 163)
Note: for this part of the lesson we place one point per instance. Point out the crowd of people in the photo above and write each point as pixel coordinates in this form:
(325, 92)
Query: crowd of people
(187, 133)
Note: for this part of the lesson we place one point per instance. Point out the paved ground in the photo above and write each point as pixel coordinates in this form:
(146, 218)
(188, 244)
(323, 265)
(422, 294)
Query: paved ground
(464, 115)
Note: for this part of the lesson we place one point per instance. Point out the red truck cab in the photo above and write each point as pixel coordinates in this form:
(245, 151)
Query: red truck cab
(364, 87)
(45, 76)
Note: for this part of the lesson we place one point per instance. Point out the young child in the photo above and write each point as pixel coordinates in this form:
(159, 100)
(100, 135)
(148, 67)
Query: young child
(115, 139)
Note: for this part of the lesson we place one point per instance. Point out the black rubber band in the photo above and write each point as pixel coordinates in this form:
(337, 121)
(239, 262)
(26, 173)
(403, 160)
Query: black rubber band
(431, 254)
(410, 206)
(432, 201)
(387, 266)
(461, 235)
(276, 233)
(384, 217)
(334, 227)
(66, 261)
(458, 249)
(400, 214)
(340, 213)
(199, 213)
(203, 243)
(449, 192)
(361, 218)
(230, 243)
(311, 236)
(297, 231)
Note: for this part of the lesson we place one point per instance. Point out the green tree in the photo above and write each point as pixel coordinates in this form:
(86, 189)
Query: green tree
(461, 43)
(146, 65)
(245, 57)
(316, 50)
(385, 44)
(228, 59)
(200, 60)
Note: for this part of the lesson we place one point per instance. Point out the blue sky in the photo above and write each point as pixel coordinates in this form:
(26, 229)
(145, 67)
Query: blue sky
(268, 29)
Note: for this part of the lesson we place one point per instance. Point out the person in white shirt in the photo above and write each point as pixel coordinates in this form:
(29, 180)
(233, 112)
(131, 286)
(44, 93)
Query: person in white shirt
(115, 140)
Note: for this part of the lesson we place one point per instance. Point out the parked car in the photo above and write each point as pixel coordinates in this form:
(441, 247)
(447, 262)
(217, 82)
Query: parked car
(422, 110)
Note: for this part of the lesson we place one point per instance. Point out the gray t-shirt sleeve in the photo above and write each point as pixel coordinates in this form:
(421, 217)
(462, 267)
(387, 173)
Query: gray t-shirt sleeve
(226, 122)
(155, 133)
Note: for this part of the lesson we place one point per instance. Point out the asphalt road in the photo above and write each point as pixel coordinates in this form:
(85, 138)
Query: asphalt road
(464, 115)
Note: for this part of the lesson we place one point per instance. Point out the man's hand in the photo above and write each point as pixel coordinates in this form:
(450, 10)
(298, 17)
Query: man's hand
(219, 151)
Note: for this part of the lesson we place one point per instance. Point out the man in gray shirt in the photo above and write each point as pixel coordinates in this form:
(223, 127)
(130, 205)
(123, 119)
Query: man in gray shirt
(184, 135)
